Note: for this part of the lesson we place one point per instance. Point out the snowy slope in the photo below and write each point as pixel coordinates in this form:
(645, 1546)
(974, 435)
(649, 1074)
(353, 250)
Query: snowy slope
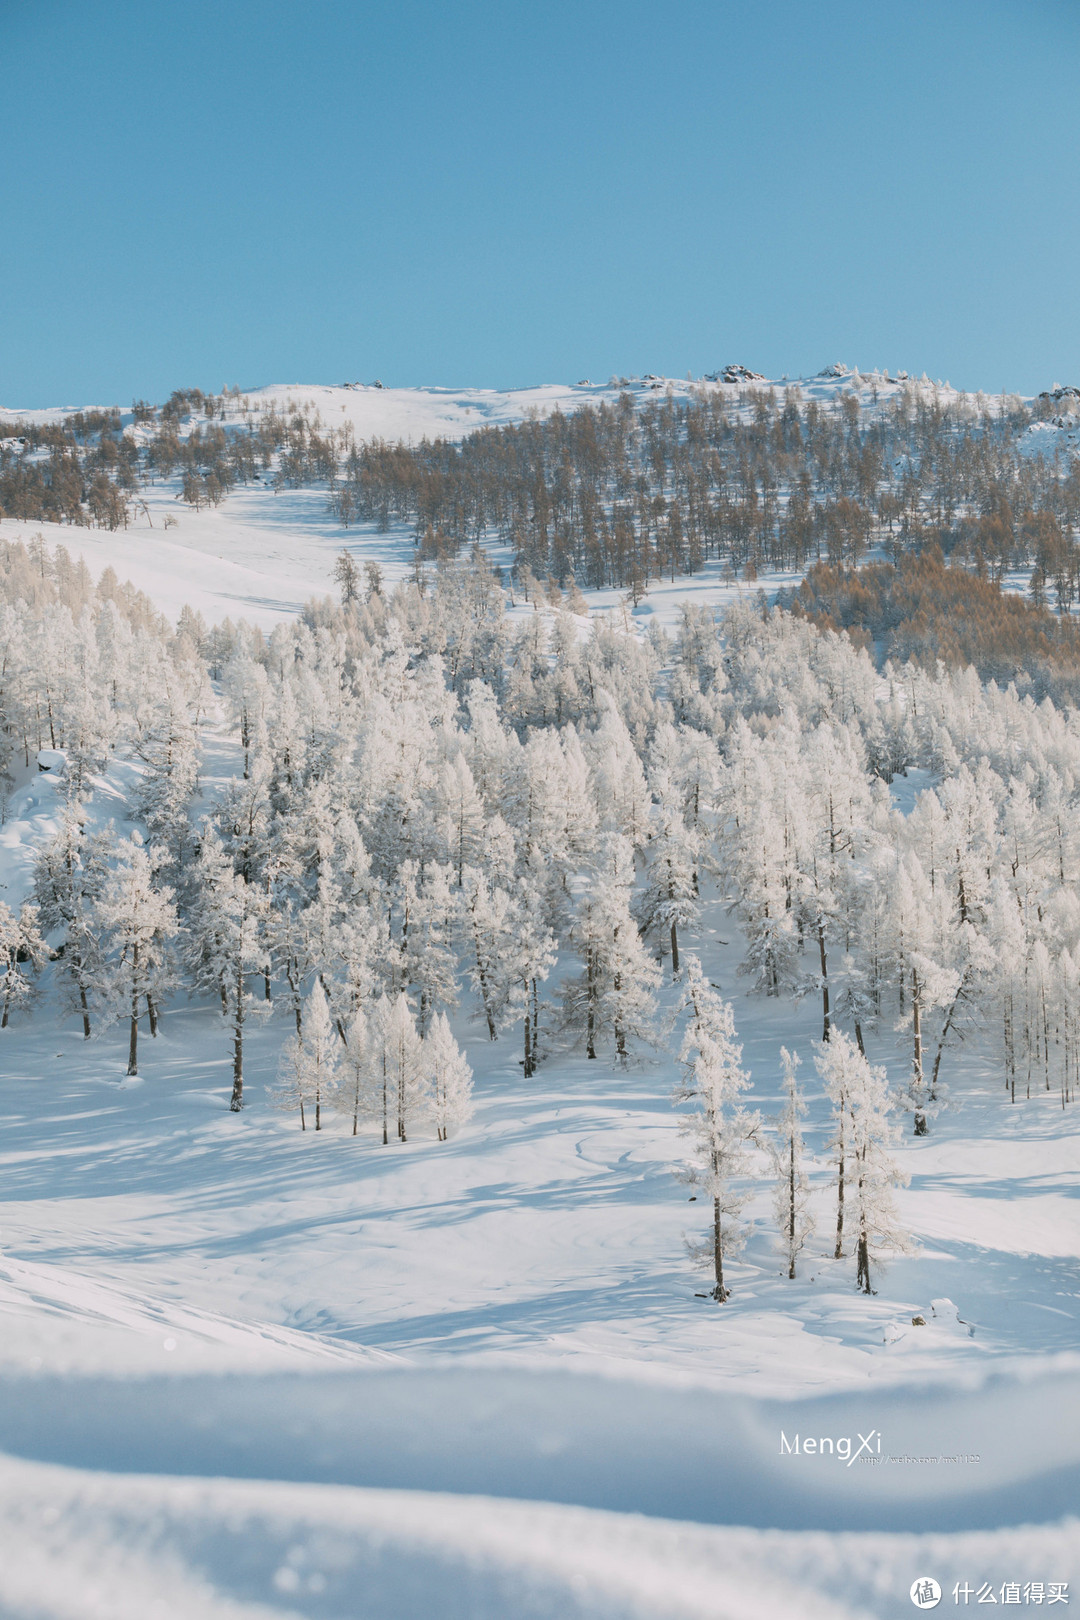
(261, 555)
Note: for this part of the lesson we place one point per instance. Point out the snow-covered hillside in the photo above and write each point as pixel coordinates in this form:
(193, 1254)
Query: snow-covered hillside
(262, 553)
(249, 1369)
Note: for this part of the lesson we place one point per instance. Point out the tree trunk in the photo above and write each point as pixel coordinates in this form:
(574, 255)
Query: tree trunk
(385, 1107)
(674, 950)
(944, 1037)
(528, 1064)
(84, 1007)
(236, 1102)
(485, 999)
(152, 1011)
(921, 1127)
(590, 1032)
(839, 1249)
(826, 1024)
(720, 1293)
(862, 1276)
(791, 1207)
(133, 1044)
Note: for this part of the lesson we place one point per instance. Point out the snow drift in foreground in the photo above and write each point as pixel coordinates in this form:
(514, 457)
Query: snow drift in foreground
(100, 1547)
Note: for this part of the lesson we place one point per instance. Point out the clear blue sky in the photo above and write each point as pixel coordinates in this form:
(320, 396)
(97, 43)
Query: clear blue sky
(503, 192)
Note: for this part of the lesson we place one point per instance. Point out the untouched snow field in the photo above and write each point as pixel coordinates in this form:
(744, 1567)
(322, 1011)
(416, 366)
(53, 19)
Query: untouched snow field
(248, 1371)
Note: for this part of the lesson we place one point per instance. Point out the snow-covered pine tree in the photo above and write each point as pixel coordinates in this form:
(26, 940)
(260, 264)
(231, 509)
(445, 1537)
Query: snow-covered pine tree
(720, 1127)
(309, 1061)
(68, 876)
(614, 995)
(532, 956)
(488, 919)
(136, 921)
(793, 1215)
(835, 1062)
(398, 1058)
(356, 1088)
(875, 1172)
(170, 752)
(669, 899)
(21, 945)
(449, 1077)
(226, 943)
(865, 1131)
(425, 910)
(925, 931)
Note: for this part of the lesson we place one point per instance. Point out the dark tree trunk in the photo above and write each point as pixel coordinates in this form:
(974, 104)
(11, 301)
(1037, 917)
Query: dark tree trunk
(839, 1249)
(719, 1293)
(826, 1023)
(862, 1277)
(236, 1102)
(133, 1044)
(917, 1079)
(791, 1207)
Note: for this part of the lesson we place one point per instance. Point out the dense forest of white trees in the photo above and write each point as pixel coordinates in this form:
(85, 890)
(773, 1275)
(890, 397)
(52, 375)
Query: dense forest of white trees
(441, 809)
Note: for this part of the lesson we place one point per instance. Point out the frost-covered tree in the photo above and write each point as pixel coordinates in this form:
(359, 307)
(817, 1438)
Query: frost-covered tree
(874, 1171)
(309, 1061)
(488, 920)
(135, 919)
(68, 877)
(719, 1126)
(21, 947)
(863, 1111)
(226, 944)
(398, 1059)
(449, 1077)
(793, 1216)
(614, 995)
(531, 956)
(669, 900)
(424, 910)
(356, 1089)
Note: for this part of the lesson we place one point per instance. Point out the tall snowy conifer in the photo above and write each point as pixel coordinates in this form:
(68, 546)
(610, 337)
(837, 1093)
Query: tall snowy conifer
(21, 945)
(865, 1132)
(226, 944)
(67, 880)
(792, 1184)
(309, 1061)
(720, 1127)
(136, 919)
(449, 1077)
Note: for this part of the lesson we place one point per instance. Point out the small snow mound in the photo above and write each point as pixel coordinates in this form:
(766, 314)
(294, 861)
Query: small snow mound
(837, 369)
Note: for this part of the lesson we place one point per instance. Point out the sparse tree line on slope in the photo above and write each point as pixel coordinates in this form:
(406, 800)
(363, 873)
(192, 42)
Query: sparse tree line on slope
(434, 805)
(614, 494)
